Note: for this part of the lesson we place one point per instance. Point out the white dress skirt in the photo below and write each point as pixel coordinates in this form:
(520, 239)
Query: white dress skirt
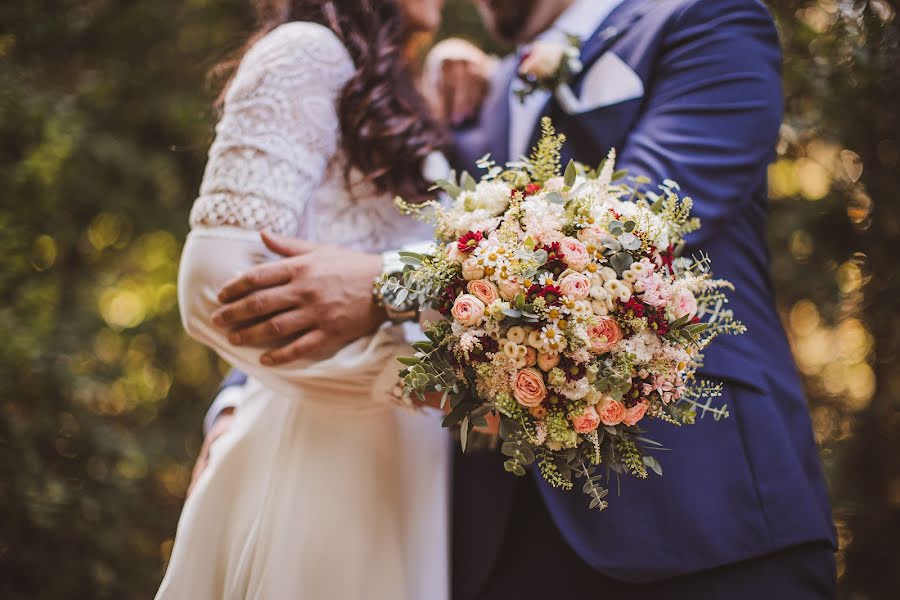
(323, 488)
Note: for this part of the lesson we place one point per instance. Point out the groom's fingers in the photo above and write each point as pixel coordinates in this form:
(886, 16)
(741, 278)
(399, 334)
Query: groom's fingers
(286, 246)
(276, 328)
(255, 306)
(261, 276)
(302, 346)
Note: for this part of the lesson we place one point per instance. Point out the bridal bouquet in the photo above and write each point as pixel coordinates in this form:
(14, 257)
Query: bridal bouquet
(568, 312)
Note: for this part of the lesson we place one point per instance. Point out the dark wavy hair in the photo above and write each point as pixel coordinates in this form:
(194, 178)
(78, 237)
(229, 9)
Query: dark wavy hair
(386, 127)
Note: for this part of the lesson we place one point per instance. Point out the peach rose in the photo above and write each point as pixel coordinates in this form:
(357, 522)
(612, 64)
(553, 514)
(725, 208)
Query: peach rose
(547, 361)
(471, 270)
(635, 413)
(468, 310)
(529, 388)
(604, 335)
(530, 357)
(684, 304)
(574, 253)
(612, 412)
(575, 285)
(484, 290)
(509, 289)
(587, 421)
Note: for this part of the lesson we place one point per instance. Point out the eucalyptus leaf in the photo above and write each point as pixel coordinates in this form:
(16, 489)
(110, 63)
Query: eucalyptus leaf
(571, 173)
(464, 433)
(467, 182)
(621, 261)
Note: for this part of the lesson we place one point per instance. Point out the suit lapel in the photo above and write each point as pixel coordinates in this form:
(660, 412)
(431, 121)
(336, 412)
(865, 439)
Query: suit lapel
(608, 33)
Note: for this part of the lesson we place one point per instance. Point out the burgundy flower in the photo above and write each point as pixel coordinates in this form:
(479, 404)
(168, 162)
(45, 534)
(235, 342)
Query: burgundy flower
(550, 293)
(468, 241)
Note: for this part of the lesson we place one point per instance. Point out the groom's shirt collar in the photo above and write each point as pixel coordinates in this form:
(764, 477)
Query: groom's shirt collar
(582, 18)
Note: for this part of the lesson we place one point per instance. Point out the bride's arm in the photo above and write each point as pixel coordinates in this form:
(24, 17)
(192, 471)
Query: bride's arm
(278, 132)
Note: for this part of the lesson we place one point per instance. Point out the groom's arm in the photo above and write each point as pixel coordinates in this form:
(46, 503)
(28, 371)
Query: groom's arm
(711, 120)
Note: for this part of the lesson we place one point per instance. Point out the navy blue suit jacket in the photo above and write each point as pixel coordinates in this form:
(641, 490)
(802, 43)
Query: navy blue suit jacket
(734, 489)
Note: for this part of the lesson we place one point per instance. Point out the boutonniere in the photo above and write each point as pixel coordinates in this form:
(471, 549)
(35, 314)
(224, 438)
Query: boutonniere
(548, 66)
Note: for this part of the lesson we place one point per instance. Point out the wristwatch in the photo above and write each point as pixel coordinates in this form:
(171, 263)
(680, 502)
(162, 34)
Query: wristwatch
(397, 312)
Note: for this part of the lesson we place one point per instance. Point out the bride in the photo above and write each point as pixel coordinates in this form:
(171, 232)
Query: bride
(324, 487)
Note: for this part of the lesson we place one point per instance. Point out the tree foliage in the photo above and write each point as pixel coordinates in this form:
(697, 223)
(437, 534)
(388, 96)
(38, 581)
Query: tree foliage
(105, 119)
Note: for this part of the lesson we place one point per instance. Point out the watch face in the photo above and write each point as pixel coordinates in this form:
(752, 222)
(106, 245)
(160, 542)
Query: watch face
(390, 301)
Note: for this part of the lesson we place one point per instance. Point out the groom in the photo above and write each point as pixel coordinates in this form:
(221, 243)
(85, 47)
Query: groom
(687, 90)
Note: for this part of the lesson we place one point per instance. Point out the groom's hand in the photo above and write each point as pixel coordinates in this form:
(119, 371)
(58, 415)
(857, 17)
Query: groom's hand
(312, 302)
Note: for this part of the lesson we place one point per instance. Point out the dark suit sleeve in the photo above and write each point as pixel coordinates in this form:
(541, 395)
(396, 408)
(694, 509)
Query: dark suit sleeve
(713, 107)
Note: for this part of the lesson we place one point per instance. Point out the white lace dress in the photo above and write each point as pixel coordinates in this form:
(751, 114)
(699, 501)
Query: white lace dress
(323, 489)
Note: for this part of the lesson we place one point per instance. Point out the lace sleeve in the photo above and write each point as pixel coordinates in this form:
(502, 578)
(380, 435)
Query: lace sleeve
(278, 131)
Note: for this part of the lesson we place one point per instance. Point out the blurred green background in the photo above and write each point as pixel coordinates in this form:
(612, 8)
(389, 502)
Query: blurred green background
(105, 119)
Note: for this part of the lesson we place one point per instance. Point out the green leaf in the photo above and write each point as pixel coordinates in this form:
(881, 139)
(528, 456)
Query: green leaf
(448, 187)
(555, 198)
(467, 182)
(571, 173)
(409, 361)
(621, 261)
(464, 433)
(520, 302)
(619, 174)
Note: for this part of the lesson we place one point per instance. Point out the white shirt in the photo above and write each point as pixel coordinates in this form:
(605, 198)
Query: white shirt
(582, 18)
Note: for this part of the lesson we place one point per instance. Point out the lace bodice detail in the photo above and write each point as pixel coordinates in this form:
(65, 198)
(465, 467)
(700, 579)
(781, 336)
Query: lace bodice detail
(276, 162)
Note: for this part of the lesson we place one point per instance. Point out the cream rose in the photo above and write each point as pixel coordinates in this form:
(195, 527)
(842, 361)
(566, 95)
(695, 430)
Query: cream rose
(471, 270)
(529, 388)
(587, 421)
(612, 412)
(547, 361)
(575, 285)
(635, 413)
(484, 290)
(574, 253)
(591, 235)
(604, 335)
(543, 60)
(468, 310)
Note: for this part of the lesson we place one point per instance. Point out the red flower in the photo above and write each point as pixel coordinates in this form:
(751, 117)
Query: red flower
(635, 307)
(550, 293)
(468, 241)
(667, 257)
(532, 188)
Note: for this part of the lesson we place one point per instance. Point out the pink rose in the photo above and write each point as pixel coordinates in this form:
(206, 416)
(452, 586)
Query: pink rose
(612, 412)
(655, 292)
(484, 290)
(547, 361)
(574, 253)
(509, 289)
(604, 335)
(471, 270)
(635, 413)
(468, 310)
(530, 356)
(529, 388)
(591, 235)
(587, 421)
(684, 304)
(575, 285)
